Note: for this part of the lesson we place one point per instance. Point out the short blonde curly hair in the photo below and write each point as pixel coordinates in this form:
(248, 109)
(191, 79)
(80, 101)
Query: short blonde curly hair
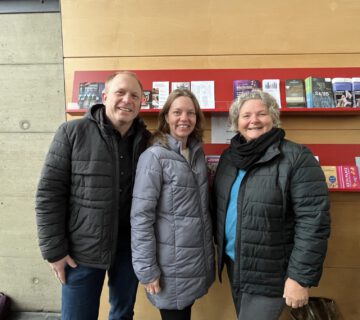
(266, 98)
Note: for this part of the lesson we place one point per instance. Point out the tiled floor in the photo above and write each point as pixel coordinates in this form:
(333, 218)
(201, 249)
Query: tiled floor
(34, 316)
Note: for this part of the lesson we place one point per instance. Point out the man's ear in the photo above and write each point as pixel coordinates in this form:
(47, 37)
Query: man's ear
(103, 96)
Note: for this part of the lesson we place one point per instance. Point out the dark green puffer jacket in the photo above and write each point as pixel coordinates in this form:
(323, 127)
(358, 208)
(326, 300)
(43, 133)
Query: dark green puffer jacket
(283, 219)
(77, 196)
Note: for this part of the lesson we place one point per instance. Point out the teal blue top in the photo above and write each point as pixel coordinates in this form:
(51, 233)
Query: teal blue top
(231, 216)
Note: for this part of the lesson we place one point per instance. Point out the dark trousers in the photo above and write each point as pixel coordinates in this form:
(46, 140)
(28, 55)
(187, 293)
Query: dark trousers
(184, 314)
(250, 306)
(81, 293)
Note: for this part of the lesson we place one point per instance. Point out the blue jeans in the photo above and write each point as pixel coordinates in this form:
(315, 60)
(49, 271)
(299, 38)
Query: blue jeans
(82, 291)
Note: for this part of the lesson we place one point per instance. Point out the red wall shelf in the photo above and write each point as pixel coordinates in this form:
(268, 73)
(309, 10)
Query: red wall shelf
(329, 155)
(224, 83)
(283, 111)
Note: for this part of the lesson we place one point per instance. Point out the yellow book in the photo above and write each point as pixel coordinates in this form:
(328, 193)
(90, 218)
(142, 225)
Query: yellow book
(331, 176)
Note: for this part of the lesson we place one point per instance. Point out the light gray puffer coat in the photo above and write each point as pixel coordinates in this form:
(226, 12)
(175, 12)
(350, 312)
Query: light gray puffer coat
(171, 227)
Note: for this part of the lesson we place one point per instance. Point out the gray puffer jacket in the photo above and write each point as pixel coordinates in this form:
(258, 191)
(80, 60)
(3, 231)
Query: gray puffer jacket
(171, 226)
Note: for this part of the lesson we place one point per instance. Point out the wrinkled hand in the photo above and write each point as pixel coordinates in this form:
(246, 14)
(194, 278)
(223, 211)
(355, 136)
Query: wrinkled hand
(295, 295)
(153, 287)
(59, 267)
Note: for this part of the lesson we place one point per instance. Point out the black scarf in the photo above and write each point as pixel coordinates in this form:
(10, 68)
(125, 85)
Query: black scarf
(244, 154)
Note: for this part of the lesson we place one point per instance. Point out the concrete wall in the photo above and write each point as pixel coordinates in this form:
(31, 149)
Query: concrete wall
(32, 107)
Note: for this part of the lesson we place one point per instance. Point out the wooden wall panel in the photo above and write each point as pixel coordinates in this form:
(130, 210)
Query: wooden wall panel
(148, 28)
(342, 285)
(119, 35)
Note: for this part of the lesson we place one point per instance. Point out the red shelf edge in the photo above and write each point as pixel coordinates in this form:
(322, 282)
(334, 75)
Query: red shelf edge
(343, 190)
(284, 110)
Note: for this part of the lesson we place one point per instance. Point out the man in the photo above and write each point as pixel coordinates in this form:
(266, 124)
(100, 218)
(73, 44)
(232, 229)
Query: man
(83, 202)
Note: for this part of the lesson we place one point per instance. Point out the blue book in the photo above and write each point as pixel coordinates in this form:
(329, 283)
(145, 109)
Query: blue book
(343, 92)
(356, 92)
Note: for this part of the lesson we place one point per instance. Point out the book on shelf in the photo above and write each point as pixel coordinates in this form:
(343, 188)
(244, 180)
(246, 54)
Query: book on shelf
(205, 93)
(356, 92)
(160, 92)
(241, 86)
(357, 162)
(331, 176)
(348, 177)
(90, 93)
(319, 93)
(295, 93)
(146, 101)
(343, 94)
(272, 86)
(212, 162)
(180, 85)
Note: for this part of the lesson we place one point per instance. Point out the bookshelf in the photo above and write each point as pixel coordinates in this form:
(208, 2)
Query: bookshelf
(329, 154)
(224, 84)
(284, 111)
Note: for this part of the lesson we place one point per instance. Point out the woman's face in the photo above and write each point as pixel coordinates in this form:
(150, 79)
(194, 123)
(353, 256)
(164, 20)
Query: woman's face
(254, 119)
(181, 119)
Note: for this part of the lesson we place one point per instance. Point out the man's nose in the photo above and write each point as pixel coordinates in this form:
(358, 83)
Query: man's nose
(127, 97)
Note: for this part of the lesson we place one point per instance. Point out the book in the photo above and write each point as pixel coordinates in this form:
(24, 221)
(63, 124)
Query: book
(205, 93)
(331, 176)
(272, 86)
(319, 93)
(240, 86)
(343, 94)
(356, 92)
(295, 93)
(146, 101)
(180, 85)
(212, 162)
(90, 93)
(160, 92)
(348, 177)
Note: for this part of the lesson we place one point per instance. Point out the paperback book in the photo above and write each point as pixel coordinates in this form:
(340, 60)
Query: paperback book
(348, 177)
(160, 92)
(205, 93)
(272, 86)
(180, 85)
(319, 93)
(343, 93)
(90, 93)
(146, 102)
(331, 176)
(240, 86)
(212, 162)
(356, 92)
(295, 93)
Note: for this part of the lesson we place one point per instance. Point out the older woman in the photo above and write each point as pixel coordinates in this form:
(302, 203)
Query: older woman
(171, 227)
(272, 212)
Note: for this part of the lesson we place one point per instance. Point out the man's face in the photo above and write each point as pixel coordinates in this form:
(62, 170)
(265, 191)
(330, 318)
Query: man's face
(122, 100)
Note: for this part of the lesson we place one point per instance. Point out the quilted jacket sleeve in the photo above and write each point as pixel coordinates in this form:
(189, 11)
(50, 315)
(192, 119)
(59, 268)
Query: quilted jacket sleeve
(52, 198)
(310, 201)
(146, 193)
